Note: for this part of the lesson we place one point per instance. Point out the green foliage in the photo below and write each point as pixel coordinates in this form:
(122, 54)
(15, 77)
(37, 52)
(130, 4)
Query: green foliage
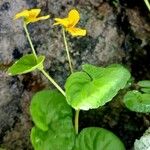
(90, 88)
(59, 136)
(53, 119)
(54, 129)
(137, 101)
(144, 86)
(95, 86)
(145, 90)
(144, 83)
(26, 64)
(147, 4)
(115, 3)
(48, 106)
(98, 139)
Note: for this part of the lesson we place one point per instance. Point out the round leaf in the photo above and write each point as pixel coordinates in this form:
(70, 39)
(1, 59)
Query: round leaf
(48, 106)
(53, 118)
(26, 64)
(137, 101)
(97, 139)
(59, 136)
(94, 86)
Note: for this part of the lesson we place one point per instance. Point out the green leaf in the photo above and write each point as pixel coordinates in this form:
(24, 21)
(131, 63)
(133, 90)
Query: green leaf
(144, 83)
(93, 71)
(53, 119)
(138, 102)
(98, 139)
(26, 64)
(48, 106)
(145, 90)
(95, 86)
(59, 136)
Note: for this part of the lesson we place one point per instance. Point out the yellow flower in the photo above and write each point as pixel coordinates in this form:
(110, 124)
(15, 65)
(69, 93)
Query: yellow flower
(70, 22)
(31, 15)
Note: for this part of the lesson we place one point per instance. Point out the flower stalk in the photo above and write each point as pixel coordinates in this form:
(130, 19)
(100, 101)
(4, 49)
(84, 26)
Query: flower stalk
(147, 4)
(52, 81)
(67, 50)
(29, 39)
(77, 121)
(69, 24)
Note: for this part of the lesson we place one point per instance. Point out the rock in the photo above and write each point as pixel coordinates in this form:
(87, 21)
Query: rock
(144, 142)
(96, 3)
(139, 26)
(10, 91)
(136, 27)
(18, 138)
(11, 35)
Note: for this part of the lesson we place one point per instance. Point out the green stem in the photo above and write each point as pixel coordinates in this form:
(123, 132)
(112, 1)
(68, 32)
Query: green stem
(77, 121)
(67, 50)
(52, 81)
(76, 124)
(147, 4)
(29, 39)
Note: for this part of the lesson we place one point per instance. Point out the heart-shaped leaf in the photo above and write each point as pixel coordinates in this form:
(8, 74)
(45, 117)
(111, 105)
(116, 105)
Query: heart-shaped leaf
(26, 64)
(48, 106)
(94, 86)
(138, 102)
(97, 139)
(59, 136)
(53, 119)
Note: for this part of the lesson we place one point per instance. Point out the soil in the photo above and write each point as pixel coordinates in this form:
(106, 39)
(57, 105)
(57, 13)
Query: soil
(119, 32)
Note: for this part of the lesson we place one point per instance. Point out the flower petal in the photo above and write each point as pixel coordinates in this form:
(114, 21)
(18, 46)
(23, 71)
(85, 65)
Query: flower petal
(24, 14)
(76, 31)
(73, 18)
(63, 22)
(43, 17)
(31, 20)
(33, 13)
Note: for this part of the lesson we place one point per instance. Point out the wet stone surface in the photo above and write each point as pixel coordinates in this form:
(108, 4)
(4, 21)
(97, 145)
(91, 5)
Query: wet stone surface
(10, 91)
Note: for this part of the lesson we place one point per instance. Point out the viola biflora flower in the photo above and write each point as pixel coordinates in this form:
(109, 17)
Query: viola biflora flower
(70, 22)
(30, 16)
